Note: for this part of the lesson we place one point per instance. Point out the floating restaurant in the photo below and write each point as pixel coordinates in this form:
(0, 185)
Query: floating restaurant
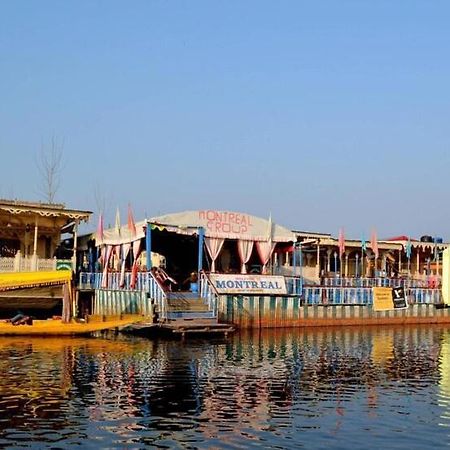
(250, 272)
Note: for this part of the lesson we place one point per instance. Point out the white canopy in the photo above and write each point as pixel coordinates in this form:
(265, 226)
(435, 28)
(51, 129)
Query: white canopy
(224, 224)
(121, 235)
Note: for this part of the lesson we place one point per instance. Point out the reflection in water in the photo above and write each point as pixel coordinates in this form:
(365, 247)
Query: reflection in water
(276, 388)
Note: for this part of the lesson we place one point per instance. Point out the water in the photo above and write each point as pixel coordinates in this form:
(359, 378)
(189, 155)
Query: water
(356, 388)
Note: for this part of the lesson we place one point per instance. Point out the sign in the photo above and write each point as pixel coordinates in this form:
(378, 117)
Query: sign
(387, 299)
(399, 298)
(63, 264)
(248, 284)
(226, 222)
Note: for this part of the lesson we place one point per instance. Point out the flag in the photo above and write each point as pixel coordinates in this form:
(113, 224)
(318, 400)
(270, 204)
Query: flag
(374, 243)
(341, 242)
(117, 222)
(131, 224)
(99, 235)
(408, 248)
(363, 243)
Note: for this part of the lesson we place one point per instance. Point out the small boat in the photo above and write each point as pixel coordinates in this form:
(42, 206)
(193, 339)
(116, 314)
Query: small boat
(55, 327)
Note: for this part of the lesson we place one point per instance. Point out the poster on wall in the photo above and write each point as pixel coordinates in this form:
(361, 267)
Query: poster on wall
(388, 299)
(248, 284)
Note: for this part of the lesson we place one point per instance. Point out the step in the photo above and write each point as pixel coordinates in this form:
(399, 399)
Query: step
(172, 315)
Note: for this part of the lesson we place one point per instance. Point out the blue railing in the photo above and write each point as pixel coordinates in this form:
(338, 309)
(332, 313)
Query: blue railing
(431, 282)
(338, 292)
(362, 296)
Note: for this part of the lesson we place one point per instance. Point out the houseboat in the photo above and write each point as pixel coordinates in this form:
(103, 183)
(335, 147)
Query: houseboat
(37, 291)
(250, 272)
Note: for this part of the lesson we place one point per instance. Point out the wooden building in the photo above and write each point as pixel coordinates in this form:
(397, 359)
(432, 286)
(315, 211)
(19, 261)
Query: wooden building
(30, 233)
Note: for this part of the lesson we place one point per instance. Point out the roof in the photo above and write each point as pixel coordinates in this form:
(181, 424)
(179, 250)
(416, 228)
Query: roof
(224, 224)
(18, 207)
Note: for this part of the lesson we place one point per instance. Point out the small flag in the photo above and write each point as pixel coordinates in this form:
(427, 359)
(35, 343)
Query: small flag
(99, 235)
(363, 243)
(117, 222)
(374, 243)
(131, 224)
(408, 248)
(341, 242)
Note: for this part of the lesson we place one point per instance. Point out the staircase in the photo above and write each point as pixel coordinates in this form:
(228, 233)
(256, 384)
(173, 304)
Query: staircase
(187, 305)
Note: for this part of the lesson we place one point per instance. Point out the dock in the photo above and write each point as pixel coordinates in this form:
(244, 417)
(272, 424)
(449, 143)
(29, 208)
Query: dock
(181, 327)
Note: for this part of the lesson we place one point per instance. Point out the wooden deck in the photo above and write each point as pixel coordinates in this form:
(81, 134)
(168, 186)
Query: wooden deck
(182, 327)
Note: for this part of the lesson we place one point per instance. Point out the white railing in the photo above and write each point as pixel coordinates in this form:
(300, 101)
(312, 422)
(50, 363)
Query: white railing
(31, 263)
(319, 295)
(145, 281)
(7, 264)
(209, 293)
(431, 281)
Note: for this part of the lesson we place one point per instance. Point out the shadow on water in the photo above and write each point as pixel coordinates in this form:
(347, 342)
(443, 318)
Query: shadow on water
(360, 387)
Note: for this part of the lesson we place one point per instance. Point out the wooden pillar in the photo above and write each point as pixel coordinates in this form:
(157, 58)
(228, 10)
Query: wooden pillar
(75, 244)
(329, 260)
(318, 260)
(148, 246)
(347, 254)
(35, 237)
(418, 261)
(34, 258)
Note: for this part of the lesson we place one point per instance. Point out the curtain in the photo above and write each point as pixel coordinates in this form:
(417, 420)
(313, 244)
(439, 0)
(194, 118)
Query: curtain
(117, 257)
(109, 249)
(134, 268)
(125, 251)
(265, 250)
(245, 251)
(214, 245)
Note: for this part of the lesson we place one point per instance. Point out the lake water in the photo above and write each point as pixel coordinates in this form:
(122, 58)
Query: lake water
(325, 388)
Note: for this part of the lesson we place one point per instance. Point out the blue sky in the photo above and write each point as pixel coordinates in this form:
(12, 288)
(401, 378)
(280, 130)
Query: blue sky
(325, 113)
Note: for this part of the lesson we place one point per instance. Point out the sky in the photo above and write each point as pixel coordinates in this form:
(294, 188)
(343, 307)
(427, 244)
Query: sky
(324, 114)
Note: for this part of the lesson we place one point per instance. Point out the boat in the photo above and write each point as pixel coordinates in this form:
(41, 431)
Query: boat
(56, 327)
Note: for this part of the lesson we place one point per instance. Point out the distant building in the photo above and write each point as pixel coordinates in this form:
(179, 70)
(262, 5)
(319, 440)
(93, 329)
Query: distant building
(30, 233)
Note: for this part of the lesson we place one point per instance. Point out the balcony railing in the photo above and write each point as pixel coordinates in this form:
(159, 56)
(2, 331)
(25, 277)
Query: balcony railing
(32, 263)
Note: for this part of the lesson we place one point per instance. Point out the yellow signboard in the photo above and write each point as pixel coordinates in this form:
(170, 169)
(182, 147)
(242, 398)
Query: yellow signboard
(382, 299)
(386, 299)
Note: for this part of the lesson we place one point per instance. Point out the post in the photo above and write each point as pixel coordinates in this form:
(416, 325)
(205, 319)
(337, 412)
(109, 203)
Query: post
(301, 269)
(335, 263)
(75, 244)
(201, 239)
(347, 254)
(34, 258)
(356, 265)
(362, 263)
(328, 261)
(318, 260)
(294, 259)
(148, 245)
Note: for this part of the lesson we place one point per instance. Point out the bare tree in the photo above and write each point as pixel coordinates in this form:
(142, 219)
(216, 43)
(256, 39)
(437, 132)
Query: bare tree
(49, 163)
(101, 200)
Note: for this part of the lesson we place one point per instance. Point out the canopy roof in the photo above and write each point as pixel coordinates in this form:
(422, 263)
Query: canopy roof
(224, 224)
(53, 210)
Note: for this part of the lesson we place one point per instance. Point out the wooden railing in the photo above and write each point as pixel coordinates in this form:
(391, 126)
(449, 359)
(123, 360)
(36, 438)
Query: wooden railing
(32, 263)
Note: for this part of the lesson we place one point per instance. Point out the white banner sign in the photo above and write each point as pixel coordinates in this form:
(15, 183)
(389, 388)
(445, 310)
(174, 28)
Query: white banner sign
(248, 284)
